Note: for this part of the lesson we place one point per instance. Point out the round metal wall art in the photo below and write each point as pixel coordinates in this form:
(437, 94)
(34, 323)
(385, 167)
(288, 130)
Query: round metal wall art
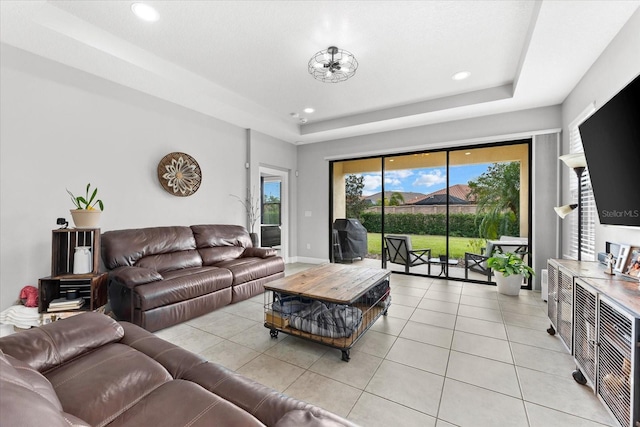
(179, 174)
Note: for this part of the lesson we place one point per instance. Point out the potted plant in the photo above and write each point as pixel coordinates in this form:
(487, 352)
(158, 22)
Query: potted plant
(252, 206)
(86, 215)
(513, 269)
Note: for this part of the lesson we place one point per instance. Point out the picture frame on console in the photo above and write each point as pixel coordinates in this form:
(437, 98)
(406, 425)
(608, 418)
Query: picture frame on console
(632, 266)
(621, 260)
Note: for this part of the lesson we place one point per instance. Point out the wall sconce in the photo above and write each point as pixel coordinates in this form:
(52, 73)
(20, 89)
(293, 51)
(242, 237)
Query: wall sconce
(577, 162)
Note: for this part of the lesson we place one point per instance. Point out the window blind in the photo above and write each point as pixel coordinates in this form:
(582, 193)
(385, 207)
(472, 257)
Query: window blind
(589, 211)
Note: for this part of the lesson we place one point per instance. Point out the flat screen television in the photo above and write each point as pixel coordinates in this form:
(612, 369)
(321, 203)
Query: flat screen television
(611, 141)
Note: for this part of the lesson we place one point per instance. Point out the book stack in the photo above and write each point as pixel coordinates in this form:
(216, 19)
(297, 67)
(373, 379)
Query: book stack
(63, 304)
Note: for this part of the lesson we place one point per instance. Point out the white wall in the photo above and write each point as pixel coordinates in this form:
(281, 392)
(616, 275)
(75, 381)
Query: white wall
(313, 182)
(269, 152)
(61, 128)
(614, 69)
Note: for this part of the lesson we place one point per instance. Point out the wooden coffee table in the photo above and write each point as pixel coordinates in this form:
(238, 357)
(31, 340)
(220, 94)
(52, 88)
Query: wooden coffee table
(358, 288)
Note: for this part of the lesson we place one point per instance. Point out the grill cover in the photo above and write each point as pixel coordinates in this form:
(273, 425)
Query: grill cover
(351, 239)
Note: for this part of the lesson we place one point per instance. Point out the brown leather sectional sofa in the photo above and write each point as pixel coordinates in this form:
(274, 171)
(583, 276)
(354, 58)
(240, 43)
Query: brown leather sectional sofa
(89, 370)
(162, 276)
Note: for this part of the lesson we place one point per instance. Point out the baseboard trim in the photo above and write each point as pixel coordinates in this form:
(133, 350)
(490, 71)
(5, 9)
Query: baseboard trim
(307, 260)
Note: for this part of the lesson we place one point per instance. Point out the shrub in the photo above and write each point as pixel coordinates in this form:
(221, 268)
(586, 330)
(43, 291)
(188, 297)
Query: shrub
(460, 225)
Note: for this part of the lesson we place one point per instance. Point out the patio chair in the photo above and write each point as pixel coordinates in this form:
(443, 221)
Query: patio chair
(478, 262)
(398, 251)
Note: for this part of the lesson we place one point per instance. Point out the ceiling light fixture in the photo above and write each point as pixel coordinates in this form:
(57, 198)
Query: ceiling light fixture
(332, 65)
(308, 110)
(145, 12)
(461, 75)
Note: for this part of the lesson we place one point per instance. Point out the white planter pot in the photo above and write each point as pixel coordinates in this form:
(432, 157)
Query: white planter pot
(509, 285)
(83, 218)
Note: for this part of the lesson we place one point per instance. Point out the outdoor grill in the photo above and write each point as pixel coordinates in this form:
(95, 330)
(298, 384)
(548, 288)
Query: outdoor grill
(349, 240)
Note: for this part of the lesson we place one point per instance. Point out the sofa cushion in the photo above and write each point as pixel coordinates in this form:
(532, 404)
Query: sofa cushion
(184, 403)
(126, 247)
(27, 398)
(62, 341)
(247, 269)
(182, 285)
(171, 261)
(212, 256)
(214, 235)
(32, 379)
(134, 276)
(100, 385)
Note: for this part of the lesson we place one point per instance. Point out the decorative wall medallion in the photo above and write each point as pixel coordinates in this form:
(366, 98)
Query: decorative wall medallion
(179, 174)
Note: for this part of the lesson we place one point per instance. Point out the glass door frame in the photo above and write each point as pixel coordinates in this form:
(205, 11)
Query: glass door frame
(447, 150)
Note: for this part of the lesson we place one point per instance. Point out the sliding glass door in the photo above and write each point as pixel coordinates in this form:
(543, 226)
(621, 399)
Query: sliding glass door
(355, 234)
(415, 226)
(488, 206)
(437, 213)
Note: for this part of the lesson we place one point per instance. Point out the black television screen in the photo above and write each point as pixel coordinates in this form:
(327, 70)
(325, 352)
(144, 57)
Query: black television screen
(611, 141)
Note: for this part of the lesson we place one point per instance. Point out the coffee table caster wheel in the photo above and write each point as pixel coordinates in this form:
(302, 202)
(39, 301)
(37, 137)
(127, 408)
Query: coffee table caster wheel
(345, 355)
(384, 313)
(579, 377)
(274, 333)
(551, 330)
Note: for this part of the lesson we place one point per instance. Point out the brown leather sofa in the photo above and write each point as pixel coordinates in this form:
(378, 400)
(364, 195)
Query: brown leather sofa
(162, 276)
(89, 370)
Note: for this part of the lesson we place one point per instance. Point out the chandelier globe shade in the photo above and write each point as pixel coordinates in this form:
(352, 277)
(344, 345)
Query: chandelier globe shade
(333, 65)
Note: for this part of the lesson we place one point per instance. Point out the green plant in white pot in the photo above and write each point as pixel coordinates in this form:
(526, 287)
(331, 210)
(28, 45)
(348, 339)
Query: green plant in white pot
(88, 209)
(513, 271)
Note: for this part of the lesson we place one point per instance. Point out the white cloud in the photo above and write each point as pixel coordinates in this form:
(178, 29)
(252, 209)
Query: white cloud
(372, 184)
(430, 179)
(399, 174)
(392, 181)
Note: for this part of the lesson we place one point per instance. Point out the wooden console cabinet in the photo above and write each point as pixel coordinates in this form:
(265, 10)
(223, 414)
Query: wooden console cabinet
(604, 338)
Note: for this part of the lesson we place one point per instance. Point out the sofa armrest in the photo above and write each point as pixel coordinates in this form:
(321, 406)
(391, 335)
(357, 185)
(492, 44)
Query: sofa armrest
(259, 252)
(55, 343)
(134, 276)
(266, 404)
(175, 359)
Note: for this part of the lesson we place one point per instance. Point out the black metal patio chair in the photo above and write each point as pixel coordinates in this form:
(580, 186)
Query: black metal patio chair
(398, 251)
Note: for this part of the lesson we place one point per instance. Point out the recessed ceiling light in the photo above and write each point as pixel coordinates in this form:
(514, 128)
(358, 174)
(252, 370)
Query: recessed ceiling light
(467, 153)
(461, 75)
(309, 110)
(145, 12)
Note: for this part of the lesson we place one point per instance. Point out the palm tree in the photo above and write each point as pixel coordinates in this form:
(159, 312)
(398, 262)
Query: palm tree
(497, 194)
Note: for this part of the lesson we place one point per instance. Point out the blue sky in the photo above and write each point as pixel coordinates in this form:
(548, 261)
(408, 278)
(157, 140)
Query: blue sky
(272, 188)
(424, 180)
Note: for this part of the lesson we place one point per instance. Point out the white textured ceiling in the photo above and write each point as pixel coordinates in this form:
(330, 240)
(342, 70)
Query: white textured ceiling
(245, 62)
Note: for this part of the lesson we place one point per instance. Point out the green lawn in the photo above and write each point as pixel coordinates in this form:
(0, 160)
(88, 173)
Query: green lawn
(457, 245)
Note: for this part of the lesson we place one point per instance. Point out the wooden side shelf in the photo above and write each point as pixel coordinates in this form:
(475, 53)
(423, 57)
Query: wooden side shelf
(63, 245)
(91, 287)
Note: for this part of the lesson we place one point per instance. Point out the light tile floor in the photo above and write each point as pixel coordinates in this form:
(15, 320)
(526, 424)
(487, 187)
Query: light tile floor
(448, 354)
